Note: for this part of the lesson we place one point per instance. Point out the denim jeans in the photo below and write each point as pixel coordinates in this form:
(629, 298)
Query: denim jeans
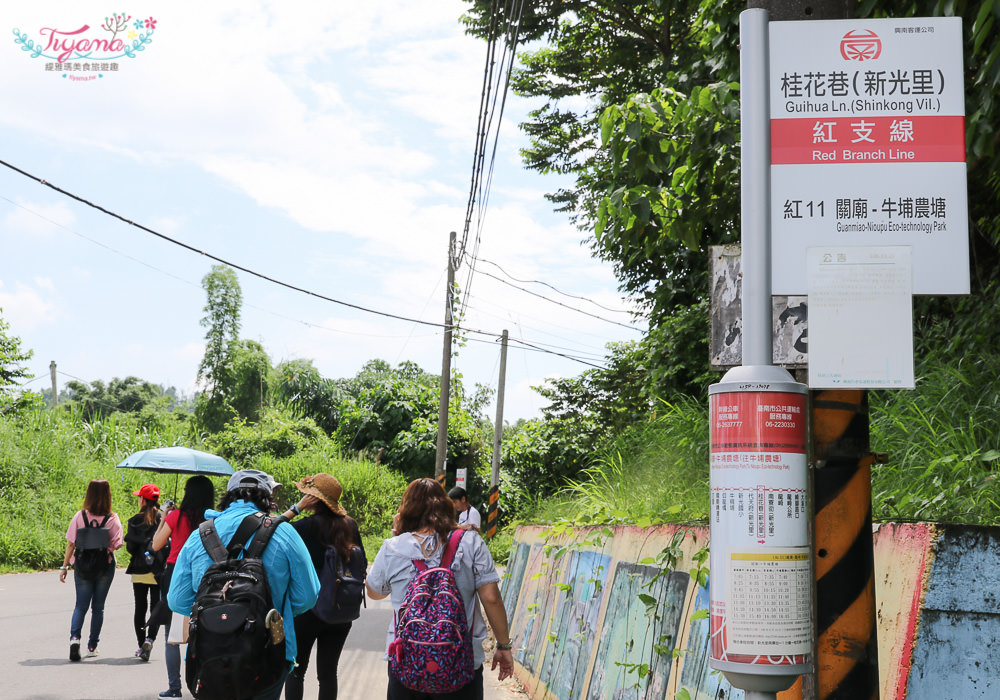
(172, 655)
(90, 594)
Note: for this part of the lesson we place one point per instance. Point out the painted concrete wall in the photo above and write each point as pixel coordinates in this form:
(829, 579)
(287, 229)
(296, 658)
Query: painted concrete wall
(582, 626)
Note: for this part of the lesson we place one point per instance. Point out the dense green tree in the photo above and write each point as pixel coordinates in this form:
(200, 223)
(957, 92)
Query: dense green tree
(277, 433)
(129, 395)
(639, 104)
(248, 374)
(298, 384)
(653, 204)
(222, 319)
(235, 373)
(12, 369)
(391, 414)
(612, 397)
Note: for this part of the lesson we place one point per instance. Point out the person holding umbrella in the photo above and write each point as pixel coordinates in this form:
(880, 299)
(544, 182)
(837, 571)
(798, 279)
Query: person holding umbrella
(176, 526)
(144, 565)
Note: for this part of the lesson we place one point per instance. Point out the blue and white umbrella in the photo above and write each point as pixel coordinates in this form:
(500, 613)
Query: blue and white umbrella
(177, 460)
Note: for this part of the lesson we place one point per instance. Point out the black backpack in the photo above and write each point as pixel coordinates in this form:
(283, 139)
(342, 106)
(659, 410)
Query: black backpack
(341, 588)
(91, 548)
(236, 642)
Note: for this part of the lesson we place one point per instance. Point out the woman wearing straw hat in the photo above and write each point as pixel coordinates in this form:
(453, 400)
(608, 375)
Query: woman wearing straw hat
(328, 525)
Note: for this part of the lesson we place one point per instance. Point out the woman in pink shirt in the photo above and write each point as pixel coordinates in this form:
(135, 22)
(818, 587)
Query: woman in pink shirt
(91, 592)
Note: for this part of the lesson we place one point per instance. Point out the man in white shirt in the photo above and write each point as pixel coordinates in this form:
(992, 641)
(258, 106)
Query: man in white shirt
(468, 516)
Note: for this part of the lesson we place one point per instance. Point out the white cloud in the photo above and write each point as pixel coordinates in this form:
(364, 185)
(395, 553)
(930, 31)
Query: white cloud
(331, 147)
(37, 218)
(27, 308)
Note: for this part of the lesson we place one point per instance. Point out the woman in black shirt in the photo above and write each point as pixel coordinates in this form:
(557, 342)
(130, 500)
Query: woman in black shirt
(329, 525)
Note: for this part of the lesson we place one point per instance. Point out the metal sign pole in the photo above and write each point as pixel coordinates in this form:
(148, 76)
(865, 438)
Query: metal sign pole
(755, 187)
(760, 561)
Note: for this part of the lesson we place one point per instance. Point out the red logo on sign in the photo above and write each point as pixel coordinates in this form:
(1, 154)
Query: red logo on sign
(860, 45)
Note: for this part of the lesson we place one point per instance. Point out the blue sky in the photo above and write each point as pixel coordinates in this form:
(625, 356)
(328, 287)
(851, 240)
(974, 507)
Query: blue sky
(328, 146)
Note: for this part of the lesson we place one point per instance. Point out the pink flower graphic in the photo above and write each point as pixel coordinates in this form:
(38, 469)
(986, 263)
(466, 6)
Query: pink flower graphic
(150, 23)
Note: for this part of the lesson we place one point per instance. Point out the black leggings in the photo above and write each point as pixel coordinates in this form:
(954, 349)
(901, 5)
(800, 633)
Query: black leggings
(147, 595)
(473, 690)
(329, 640)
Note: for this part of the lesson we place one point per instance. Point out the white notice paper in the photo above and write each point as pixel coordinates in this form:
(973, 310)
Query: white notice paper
(860, 317)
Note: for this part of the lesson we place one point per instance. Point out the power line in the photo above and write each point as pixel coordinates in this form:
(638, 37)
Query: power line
(532, 329)
(559, 303)
(247, 270)
(478, 191)
(535, 347)
(216, 258)
(554, 289)
(308, 324)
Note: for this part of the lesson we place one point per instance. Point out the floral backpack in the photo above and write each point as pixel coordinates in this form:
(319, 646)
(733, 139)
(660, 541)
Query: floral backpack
(432, 651)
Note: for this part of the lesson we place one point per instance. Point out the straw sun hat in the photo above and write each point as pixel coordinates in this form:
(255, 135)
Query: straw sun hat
(324, 487)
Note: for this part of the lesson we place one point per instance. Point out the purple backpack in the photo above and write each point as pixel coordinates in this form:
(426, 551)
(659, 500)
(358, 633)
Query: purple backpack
(432, 651)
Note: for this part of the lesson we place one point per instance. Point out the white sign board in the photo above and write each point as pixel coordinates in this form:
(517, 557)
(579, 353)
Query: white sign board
(461, 477)
(868, 146)
(860, 317)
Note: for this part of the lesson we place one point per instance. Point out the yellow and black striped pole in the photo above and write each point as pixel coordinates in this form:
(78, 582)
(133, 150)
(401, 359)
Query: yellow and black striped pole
(491, 513)
(847, 647)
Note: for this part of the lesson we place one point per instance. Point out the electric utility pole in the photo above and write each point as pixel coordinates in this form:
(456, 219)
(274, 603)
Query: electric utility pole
(55, 385)
(491, 515)
(441, 456)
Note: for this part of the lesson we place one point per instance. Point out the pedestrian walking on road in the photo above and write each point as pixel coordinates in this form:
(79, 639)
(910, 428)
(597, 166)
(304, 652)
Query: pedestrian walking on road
(423, 530)
(328, 526)
(144, 566)
(176, 525)
(92, 537)
(468, 516)
(291, 577)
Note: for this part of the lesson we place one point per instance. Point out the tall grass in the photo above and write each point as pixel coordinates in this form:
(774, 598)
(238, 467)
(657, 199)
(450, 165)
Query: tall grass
(942, 443)
(47, 458)
(654, 472)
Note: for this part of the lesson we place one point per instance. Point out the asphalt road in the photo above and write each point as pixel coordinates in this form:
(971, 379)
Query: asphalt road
(35, 614)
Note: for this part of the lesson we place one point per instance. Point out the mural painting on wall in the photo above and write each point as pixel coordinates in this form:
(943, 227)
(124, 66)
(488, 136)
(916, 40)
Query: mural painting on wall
(630, 632)
(529, 624)
(513, 578)
(574, 622)
(701, 682)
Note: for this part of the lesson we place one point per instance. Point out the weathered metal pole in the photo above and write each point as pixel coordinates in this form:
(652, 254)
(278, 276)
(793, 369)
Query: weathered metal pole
(492, 514)
(846, 614)
(441, 456)
(55, 384)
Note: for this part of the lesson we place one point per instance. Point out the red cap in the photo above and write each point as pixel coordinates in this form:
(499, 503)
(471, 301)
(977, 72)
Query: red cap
(150, 492)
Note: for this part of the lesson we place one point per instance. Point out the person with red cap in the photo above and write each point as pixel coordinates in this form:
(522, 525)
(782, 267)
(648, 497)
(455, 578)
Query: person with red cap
(145, 565)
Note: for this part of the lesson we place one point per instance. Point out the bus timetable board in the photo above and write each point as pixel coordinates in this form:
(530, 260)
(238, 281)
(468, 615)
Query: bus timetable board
(868, 145)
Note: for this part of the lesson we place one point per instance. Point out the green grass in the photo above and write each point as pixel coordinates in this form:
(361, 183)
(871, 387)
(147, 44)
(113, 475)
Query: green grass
(654, 472)
(942, 443)
(47, 458)
(942, 440)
